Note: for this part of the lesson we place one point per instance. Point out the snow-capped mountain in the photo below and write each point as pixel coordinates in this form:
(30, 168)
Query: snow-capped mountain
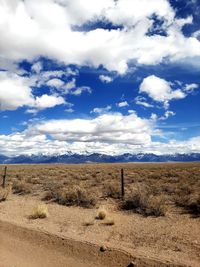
(99, 158)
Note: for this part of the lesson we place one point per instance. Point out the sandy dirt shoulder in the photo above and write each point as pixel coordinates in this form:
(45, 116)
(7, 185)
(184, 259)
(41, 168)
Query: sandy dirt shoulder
(72, 235)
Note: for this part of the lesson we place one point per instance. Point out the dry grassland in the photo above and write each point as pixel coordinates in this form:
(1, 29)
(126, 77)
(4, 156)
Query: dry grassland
(150, 189)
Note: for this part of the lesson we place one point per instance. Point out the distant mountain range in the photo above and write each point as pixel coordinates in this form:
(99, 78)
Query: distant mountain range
(98, 158)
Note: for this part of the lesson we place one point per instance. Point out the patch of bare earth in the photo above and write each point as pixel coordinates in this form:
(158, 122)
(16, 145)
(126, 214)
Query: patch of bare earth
(171, 239)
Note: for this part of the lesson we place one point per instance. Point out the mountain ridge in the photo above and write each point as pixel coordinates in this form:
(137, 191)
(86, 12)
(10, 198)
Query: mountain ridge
(98, 158)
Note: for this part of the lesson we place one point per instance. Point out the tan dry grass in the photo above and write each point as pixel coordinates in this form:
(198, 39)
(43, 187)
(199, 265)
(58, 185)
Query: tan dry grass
(4, 193)
(101, 214)
(175, 181)
(39, 212)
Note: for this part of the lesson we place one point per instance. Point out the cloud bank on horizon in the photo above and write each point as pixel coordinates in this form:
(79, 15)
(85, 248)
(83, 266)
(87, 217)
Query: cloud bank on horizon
(109, 76)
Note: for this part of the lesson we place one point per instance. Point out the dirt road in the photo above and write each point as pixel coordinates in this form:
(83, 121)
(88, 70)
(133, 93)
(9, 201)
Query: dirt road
(64, 240)
(22, 253)
(22, 247)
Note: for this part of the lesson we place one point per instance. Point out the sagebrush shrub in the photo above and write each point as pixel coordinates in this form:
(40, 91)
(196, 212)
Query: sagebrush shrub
(4, 192)
(75, 196)
(21, 187)
(142, 201)
(112, 191)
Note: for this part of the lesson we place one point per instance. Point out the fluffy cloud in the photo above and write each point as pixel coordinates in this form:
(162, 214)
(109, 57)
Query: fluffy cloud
(16, 92)
(167, 114)
(69, 110)
(139, 100)
(69, 87)
(101, 110)
(36, 67)
(48, 101)
(122, 104)
(191, 145)
(29, 31)
(52, 78)
(196, 34)
(105, 128)
(108, 133)
(105, 78)
(160, 90)
(21, 143)
(57, 83)
(190, 87)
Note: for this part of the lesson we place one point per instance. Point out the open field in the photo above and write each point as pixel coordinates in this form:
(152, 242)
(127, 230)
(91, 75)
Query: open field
(164, 185)
(158, 218)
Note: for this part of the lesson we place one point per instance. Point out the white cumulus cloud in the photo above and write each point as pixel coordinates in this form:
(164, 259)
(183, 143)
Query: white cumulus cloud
(14, 92)
(57, 83)
(122, 104)
(48, 101)
(160, 90)
(139, 100)
(101, 110)
(33, 28)
(105, 78)
(190, 87)
(104, 128)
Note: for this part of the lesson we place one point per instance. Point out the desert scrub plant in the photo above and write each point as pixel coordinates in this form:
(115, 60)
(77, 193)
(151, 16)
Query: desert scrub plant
(75, 196)
(4, 193)
(49, 195)
(155, 206)
(191, 202)
(112, 191)
(39, 212)
(136, 199)
(102, 213)
(21, 187)
(142, 201)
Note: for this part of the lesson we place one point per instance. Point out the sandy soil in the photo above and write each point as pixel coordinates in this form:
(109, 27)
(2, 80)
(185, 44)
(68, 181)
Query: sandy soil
(71, 236)
(17, 251)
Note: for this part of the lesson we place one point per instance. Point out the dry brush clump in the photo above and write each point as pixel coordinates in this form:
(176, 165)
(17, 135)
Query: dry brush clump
(142, 201)
(174, 181)
(111, 190)
(189, 200)
(73, 196)
(4, 193)
(39, 212)
(193, 204)
(102, 213)
(21, 187)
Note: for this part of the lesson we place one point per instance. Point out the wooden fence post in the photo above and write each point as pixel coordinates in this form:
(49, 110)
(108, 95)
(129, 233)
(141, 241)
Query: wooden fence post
(4, 177)
(122, 183)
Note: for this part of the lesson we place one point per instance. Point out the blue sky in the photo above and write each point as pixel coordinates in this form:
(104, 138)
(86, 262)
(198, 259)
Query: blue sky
(95, 76)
